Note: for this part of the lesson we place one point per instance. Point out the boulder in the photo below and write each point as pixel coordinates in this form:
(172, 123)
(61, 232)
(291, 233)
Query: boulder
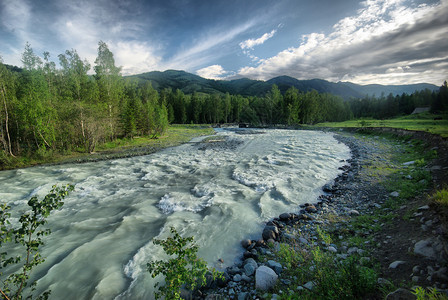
(270, 232)
(311, 209)
(275, 266)
(246, 243)
(250, 265)
(265, 278)
(285, 217)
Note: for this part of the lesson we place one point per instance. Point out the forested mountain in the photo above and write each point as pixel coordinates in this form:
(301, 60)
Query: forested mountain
(189, 83)
(378, 89)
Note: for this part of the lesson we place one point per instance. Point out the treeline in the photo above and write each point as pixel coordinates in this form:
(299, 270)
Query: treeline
(44, 108)
(391, 106)
(291, 108)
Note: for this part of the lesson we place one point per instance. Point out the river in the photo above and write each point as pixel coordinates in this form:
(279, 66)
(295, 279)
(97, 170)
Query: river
(219, 192)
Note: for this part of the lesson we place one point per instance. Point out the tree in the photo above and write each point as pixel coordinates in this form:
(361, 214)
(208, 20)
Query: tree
(108, 77)
(185, 268)
(28, 235)
(7, 95)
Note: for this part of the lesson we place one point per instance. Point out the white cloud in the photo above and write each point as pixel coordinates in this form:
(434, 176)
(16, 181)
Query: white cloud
(135, 57)
(251, 43)
(206, 48)
(213, 72)
(384, 34)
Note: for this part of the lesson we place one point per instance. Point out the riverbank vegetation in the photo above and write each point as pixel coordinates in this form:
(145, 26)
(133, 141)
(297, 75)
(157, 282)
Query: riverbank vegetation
(48, 111)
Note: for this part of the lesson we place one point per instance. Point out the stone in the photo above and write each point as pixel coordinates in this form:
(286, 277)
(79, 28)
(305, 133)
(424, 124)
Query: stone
(243, 296)
(311, 209)
(309, 285)
(424, 207)
(425, 248)
(246, 243)
(401, 294)
(332, 249)
(409, 163)
(246, 278)
(215, 297)
(288, 236)
(383, 282)
(394, 194)
(265, 278)
(237, 278)
(250, 265)
(396, 263)
(285, 216)
(352, 250)
(275, 266)
(353, 212)
(415, 278)
(270, 232)
(303, 240)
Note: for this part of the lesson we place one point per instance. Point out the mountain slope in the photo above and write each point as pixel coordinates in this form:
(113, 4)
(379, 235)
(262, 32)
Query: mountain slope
(190, 83)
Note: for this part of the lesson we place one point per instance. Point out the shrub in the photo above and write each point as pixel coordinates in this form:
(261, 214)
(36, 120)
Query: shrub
(185, 269)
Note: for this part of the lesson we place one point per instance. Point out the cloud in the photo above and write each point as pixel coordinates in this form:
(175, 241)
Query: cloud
(209, 47)
(383, 35)
(213, 72)
(251, 43)
(135, 57)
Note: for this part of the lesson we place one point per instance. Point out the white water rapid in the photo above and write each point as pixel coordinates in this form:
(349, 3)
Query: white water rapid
(102, 237)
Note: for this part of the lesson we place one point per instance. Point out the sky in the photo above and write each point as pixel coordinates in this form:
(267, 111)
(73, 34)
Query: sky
(364, 42)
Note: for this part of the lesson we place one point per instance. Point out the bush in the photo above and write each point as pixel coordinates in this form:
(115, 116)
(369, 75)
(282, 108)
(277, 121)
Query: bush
(28, 235)
(185, 269)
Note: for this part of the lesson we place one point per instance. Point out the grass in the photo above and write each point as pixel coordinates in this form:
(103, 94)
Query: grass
(418, 122)
(441, 197)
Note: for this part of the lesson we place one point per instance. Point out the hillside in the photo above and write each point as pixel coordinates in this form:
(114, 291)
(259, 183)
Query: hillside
(190, 83)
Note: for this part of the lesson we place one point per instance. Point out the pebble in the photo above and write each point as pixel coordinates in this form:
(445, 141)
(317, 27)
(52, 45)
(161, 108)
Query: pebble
(396, 263)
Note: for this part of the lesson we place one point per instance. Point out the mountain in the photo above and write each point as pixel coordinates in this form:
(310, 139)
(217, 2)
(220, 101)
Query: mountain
(378, 89)
(189, 83)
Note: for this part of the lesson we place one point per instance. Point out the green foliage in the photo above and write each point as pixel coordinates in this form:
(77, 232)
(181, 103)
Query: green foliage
(185, 269)
(428, 294)
(29, 235)
(441, 197)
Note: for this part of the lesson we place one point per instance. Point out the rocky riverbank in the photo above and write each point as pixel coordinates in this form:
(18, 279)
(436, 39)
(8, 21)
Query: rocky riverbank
(359, 222)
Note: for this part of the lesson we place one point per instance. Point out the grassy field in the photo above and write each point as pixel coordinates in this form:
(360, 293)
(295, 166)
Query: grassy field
(419, 122)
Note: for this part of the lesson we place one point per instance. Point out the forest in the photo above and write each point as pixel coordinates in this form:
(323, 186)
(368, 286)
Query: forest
(45, 109)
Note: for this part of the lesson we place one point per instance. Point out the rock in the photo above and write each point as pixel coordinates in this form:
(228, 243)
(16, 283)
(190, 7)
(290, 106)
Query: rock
(383, 282)
(396, 263)
(441, 274)
(409, 163)
(415, 278)
(186, 294)
(353, 212)
(246, 243)
(270, 232)
(285, 216)
(426, 248)
(234, 270)
(309, 285)
(237, 278)
(246, 278)
(265, 278)
(250, 265)
(352, 250)
(401, 294)
(424, 207)
(275, 266)
(394, 194)
(214, 297)
(303, 240)
(332, 249)
(311, 209)
(243, 296)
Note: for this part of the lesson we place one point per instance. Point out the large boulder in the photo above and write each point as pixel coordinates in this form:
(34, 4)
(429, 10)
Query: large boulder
(270, 232)
(265, 278)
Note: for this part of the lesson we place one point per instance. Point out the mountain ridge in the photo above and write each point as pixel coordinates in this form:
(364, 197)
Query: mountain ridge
(189, 83)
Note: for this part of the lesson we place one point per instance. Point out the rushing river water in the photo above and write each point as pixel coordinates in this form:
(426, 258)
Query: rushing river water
(219, 192)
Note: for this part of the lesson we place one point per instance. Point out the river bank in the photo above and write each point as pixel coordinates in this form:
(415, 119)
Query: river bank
(372, 233)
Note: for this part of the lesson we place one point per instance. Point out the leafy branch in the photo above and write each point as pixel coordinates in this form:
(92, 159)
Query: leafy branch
(28, 235)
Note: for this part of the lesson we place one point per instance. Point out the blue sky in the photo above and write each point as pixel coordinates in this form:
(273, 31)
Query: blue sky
(373, 41)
